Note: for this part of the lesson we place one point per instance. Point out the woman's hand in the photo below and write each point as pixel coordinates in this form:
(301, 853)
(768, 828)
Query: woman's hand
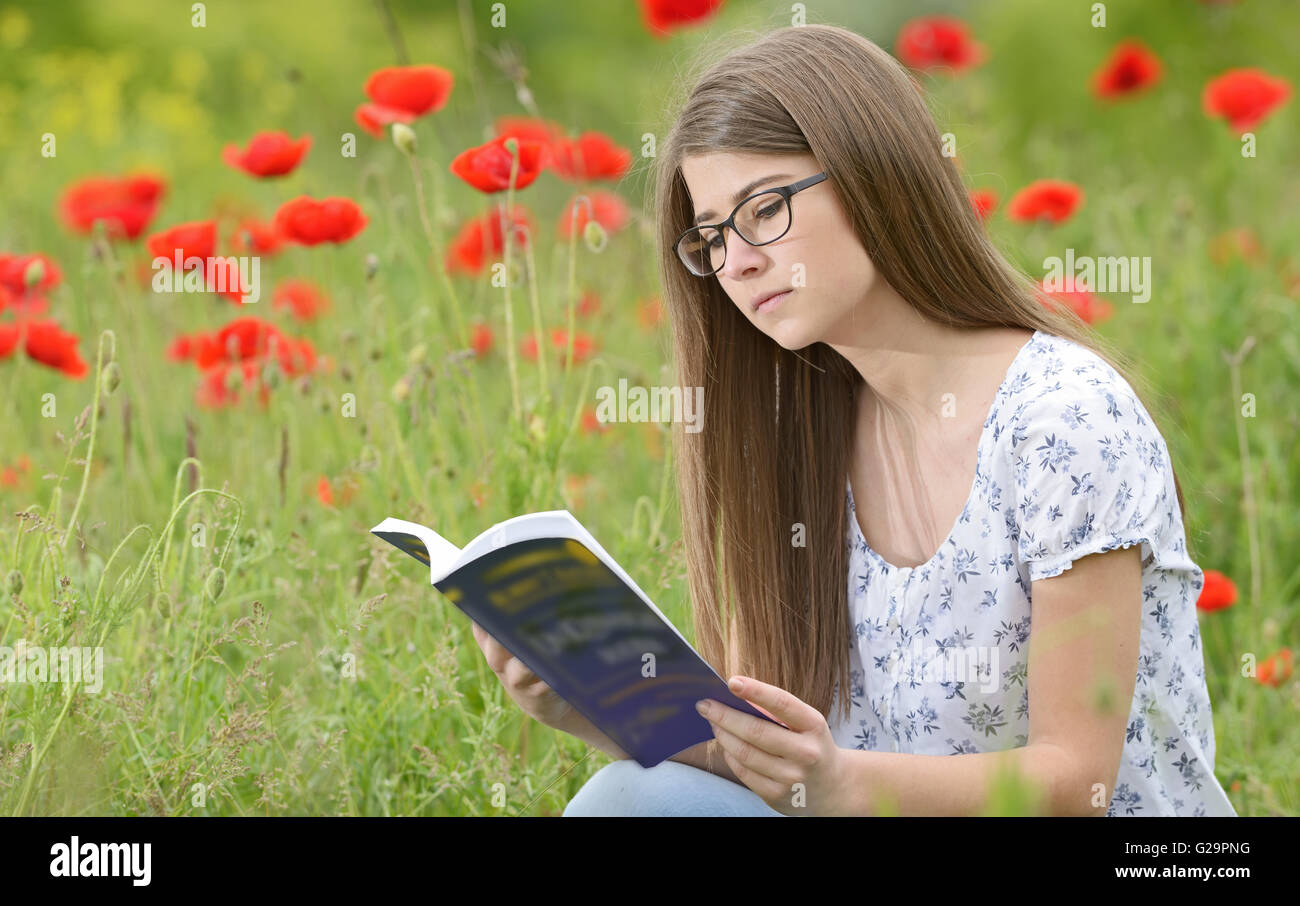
(797, 771)
(538, 700)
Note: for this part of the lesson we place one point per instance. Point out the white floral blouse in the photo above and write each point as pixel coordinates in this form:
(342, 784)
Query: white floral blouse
(1069, 463)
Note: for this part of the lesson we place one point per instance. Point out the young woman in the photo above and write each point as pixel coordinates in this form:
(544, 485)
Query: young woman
(906, 461)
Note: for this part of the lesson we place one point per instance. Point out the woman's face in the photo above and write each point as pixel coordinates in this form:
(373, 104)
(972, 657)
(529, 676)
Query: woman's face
(820, 259)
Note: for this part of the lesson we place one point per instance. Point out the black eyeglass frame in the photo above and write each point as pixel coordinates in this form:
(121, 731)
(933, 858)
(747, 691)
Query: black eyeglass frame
(784, 191)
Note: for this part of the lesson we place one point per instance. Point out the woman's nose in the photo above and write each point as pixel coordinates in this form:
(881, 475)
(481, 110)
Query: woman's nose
(740, 256)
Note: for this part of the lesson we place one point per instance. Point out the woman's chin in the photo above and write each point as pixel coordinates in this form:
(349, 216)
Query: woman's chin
(789, 334)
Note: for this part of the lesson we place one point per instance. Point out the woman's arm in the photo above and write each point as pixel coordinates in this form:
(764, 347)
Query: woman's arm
(1083, 652)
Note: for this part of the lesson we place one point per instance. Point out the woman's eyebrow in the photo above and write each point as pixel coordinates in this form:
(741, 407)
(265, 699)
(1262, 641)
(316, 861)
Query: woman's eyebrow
(740, 194)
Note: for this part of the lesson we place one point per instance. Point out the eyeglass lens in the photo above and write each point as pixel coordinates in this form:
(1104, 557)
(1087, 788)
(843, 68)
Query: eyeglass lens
(761, 219)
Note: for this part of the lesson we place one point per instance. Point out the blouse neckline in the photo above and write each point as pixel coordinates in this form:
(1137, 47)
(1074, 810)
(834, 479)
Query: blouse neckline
(979, 456)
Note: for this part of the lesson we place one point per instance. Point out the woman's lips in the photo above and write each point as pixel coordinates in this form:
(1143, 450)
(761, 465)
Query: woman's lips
(772, 303)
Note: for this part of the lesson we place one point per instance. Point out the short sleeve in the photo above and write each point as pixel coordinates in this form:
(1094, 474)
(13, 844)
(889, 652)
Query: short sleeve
(1091, 473)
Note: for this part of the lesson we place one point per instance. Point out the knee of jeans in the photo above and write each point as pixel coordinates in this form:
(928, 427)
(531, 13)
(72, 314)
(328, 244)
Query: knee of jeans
(608, 790)
(669, 788)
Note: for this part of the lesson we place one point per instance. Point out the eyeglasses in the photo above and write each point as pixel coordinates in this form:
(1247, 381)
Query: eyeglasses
(760, 219)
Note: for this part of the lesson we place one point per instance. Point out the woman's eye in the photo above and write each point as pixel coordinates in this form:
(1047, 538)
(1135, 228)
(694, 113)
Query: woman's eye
(769, 211)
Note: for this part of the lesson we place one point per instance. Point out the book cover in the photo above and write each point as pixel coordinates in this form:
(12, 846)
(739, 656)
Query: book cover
(543, 587)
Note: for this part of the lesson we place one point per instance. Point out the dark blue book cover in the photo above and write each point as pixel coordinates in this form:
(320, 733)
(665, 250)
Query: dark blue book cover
(543, 587)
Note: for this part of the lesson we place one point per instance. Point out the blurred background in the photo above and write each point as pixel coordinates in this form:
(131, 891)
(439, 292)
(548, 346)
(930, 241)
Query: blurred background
(203, 515)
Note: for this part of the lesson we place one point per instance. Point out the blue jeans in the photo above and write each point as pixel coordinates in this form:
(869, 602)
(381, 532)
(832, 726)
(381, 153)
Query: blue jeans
(669, 789)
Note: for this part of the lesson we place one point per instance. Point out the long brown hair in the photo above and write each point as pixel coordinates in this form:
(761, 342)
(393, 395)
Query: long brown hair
(778, 425)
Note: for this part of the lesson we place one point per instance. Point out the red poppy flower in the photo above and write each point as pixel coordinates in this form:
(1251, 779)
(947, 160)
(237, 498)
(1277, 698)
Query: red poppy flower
(245, 339)
(324, 492)
(310, 222)
(416, 90)
(126, 205)
(583, 344)
(1049, 199)
(268, 154)
(197, 239)
(1089, 308)
(254, 236)
(304, 298)
(663, 16)
(589, 304)
(374, 117)
(1275, 669)
(487, 167)
(528, 347)
(222, 276)
(1219, 592)
(1239, 243)
(548, 133)
(47, 343)
(481, 340)
(1244, 97)
(609, 210)
(1130, 69)
(591, 424)
(194, 346)
(590, 156)
(220, 385)
(935, 42)
(10, 334)
(984, 201)
(24, 306)
(23, 274)
(483, 239)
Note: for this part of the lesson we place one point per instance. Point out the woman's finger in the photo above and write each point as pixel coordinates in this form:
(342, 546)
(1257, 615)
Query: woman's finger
(517, 675)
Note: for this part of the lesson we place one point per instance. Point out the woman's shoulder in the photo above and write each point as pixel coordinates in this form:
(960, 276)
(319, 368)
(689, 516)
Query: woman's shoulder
(1085, 465)
(1061, 382)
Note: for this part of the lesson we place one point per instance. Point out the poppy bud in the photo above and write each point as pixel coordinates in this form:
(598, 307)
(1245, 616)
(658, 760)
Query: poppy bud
(34, 273)
(537, 427)
(416, 355)
(162, 602)
(345, 372)
(404, 138)
(215, 584)
(372, 266)
(402, 389)
(375, 353)
(594, 235)
(15, 582)
(110, 377)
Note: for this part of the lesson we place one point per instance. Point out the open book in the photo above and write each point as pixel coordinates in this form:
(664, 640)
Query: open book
(543, 587)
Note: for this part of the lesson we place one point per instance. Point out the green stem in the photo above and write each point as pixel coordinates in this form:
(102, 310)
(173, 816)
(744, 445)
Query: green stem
(94, 426)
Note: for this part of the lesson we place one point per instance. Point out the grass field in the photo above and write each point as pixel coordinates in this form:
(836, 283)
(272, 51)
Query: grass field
(263, 654)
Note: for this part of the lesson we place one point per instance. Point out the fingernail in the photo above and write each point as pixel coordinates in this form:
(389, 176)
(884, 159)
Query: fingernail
(702, 707)
(736, 685)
